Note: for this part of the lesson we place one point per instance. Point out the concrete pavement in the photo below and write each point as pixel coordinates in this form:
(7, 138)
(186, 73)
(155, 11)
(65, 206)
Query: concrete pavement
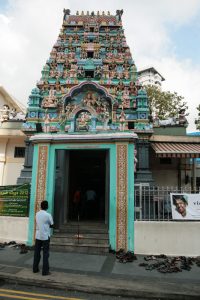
(101, 274)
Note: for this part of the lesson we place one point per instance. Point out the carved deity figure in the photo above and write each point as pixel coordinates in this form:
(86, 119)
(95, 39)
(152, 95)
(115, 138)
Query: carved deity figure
(46, 123)
(126, 98)
(12, 113)
(105, 116)
(135, 160)
(66, 14)
(182, 117)
(122, 120)
(119, 14)
(52, 74)
(5, 113)
(68, 110)
(120, 86)
(126, 73)
(53, 53)
(50, 101)
(132, 88)
(89, 99)
(83, 120)
(105, 71)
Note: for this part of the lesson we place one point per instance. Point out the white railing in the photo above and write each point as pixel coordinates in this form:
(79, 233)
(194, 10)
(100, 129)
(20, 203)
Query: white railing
(153, 202)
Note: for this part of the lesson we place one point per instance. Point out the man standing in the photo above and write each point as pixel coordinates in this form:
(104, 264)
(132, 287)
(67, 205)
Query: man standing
(44, 222)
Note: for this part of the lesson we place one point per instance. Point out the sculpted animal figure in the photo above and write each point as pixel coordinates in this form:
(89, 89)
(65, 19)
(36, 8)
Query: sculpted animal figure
(169, 121)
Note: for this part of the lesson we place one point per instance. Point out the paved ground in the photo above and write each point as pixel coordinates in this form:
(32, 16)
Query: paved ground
(101, 274)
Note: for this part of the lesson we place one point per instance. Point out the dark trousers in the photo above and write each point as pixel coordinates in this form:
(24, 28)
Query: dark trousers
(37, 255)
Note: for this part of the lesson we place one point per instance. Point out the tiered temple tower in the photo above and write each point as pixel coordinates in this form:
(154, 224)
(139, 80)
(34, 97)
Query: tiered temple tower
(89, 83)
(85, 121)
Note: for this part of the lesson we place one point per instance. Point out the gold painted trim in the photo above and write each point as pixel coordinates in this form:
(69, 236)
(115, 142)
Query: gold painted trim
(41, 175)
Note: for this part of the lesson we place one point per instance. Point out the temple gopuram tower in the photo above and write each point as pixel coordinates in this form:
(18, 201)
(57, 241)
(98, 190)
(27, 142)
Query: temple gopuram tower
(85, 120)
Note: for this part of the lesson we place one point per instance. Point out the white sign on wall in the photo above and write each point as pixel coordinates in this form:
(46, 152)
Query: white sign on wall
(185, 206)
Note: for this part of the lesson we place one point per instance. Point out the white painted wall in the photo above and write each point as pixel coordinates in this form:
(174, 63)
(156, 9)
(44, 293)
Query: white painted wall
(10, 166)
(13, 229)
(2, 100)
(13, 164)
(169, 238)
(12, 172)
(150, 78)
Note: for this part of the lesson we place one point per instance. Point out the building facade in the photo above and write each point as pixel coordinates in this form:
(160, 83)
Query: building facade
(12, 148)
(88, 131)
(150, 76)
(12, 155)
(83, 121)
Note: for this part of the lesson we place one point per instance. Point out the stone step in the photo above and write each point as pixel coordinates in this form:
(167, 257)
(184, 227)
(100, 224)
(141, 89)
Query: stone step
(85, 235)
(83, 228)
(81, 248)
(93, 238)
(82, 239)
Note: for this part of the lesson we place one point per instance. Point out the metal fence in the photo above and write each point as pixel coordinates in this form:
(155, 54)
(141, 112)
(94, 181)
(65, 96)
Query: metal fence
(153, 203)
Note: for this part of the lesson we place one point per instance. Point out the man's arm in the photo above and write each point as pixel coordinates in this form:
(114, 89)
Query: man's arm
(51, 222)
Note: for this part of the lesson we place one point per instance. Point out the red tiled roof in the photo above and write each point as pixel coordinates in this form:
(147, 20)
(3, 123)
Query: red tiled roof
(189, 150)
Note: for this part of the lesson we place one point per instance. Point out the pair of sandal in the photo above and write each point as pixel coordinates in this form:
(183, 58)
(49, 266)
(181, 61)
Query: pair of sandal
(125, 257)
(150, 257)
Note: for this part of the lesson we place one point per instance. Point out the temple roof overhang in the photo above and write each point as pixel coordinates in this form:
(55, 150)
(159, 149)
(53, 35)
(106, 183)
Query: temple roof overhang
(85, 138)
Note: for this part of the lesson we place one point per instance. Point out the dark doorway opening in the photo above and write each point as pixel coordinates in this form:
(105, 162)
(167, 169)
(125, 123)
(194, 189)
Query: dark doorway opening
(87, 185)
(89, 74)
(90, 54)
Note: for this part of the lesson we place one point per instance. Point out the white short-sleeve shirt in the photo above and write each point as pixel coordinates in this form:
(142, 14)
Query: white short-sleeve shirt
(43, 222)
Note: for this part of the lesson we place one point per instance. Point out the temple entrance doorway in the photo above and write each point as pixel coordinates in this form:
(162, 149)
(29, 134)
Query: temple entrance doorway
(88, 186)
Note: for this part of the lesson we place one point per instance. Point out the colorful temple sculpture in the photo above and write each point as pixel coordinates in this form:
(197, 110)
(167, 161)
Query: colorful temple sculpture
(87, 127)
(89, 82)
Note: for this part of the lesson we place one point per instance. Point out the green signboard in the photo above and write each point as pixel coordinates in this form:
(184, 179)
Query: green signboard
(14, 200)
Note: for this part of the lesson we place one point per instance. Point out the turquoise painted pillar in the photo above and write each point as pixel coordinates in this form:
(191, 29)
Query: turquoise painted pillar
(112, 196)
(38, 185)
(72, 125)
(93, 124)
(32, 197)
(51, 170)
(130, 204)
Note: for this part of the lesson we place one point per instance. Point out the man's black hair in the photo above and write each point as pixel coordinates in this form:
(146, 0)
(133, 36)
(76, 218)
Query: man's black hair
(44, 205)
(179, 197)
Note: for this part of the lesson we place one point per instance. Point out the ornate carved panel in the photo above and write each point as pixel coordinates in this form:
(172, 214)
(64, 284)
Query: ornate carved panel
(122, 195)
(41, 176)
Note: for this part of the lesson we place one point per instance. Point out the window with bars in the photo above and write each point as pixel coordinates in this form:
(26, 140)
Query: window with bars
(19, 152)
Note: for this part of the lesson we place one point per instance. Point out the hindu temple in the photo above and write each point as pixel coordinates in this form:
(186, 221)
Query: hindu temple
(87, 130)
